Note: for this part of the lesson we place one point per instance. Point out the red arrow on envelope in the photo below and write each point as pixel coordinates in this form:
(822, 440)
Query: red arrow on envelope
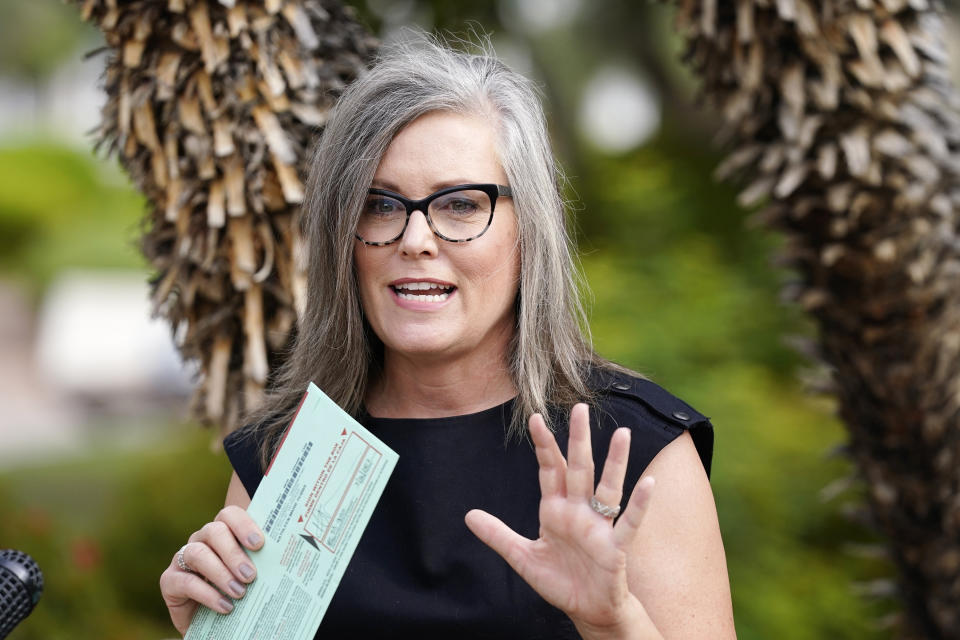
(344, 432)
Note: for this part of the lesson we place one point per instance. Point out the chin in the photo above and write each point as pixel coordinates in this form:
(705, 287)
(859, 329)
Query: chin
(420, 343)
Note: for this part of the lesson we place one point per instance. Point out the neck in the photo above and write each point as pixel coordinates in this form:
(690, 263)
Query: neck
(434, 386)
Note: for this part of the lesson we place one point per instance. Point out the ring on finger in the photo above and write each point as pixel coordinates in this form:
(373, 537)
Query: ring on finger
(181, 561)
(604, 509)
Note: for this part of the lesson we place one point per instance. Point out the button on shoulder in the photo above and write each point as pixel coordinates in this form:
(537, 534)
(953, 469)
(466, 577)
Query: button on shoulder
(661, 406)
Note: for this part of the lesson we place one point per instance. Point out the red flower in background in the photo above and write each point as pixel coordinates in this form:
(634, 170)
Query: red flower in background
(86, 553)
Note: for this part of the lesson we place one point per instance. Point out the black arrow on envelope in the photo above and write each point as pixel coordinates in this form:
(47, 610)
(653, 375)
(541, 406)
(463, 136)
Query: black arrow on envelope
(311, 540)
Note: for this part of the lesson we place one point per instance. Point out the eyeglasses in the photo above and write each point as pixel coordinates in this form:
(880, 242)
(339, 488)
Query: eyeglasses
(456, 214)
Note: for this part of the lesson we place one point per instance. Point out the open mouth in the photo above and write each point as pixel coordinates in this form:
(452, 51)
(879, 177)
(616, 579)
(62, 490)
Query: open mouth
(423, 291)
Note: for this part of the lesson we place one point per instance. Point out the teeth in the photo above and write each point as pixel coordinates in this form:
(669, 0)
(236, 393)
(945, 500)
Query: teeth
(423, 298)
(421, 286)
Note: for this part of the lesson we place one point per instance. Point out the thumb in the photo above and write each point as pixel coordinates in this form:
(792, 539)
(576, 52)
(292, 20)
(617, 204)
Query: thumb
(509, 544)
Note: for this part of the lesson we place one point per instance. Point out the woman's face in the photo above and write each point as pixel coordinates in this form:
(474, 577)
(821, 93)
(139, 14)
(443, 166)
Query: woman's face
(424, 296)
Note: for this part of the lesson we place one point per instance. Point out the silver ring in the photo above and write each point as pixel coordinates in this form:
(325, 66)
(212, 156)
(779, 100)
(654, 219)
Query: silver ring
(603, 509)
(181, 562)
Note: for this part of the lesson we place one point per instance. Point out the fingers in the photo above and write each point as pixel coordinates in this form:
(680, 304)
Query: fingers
(580, 476)
(180, 587)
(204, 561)
(625, 530)
(574, 477)
(218, 565)
(552, 465)
(242, 525)
(610, 489)
(220, 558)
(509, 544)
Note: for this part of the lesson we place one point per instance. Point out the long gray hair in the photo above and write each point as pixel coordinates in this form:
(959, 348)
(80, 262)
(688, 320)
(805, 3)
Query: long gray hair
(335, 347)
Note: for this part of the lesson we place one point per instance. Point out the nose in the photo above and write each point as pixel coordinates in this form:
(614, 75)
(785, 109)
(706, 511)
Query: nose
(418, 238)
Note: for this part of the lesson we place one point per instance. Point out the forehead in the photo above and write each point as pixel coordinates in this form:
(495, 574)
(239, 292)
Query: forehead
(439, 149)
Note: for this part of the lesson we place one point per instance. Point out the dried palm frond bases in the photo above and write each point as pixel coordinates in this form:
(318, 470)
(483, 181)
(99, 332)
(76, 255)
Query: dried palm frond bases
(842, 121)
(211, 108)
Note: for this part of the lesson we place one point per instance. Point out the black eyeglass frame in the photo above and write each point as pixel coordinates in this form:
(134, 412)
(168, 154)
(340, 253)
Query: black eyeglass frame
(493, 191)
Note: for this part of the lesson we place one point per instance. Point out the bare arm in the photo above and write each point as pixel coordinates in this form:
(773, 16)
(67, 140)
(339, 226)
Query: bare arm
(677, 567)
(236, 493)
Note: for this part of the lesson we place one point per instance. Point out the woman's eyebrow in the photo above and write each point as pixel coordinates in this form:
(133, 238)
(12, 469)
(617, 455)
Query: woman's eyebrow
(384, 184)
(436, 186)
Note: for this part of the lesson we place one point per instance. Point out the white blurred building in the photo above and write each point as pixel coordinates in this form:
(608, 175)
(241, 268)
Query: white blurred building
(91, 366)
(96, 339)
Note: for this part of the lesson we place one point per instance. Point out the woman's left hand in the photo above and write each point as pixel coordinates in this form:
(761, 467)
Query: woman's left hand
(579, 562)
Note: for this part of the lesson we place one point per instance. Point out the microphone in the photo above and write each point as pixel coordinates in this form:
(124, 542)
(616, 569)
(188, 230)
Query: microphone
(21, 584)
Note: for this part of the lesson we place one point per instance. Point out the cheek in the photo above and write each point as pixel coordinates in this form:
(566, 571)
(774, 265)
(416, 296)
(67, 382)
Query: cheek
(499, 272)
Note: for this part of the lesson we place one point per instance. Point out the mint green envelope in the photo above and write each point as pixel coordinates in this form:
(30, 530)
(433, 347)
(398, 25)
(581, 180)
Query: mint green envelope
(313, 505)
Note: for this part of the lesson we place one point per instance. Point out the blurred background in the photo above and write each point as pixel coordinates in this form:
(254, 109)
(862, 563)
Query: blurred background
(101, 476)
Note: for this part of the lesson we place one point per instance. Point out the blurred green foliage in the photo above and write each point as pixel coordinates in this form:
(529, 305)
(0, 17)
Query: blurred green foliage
(655, 225)
(103, 527)
(60, 208)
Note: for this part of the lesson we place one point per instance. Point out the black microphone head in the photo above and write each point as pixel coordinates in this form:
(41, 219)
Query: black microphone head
(21, 584)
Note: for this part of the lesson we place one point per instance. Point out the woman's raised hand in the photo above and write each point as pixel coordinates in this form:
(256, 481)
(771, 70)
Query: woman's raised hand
(579, 562)
(212, 567)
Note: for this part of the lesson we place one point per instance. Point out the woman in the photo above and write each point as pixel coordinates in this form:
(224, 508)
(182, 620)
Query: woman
(443, 312)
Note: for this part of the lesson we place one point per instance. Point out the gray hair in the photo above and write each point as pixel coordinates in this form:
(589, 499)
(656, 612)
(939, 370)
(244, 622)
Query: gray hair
(335, 348)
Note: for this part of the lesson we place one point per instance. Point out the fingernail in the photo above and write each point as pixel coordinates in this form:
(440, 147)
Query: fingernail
(254, 539)
(237, 589)
(225, 605)
(246, 571)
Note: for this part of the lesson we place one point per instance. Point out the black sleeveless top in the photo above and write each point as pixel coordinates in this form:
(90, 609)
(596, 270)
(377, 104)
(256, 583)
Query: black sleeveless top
(418, 570)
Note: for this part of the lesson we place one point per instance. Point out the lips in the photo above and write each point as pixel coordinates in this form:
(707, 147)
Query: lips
(422, 290)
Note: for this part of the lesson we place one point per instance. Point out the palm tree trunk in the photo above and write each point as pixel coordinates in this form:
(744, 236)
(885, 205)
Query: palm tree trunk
(842, 120)
(212, 106)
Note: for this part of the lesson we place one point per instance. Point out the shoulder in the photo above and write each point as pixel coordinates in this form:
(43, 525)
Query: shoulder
(621, 399)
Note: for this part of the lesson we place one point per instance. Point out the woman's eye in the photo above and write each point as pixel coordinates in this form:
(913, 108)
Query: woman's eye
(459, 205)
(381, 206)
